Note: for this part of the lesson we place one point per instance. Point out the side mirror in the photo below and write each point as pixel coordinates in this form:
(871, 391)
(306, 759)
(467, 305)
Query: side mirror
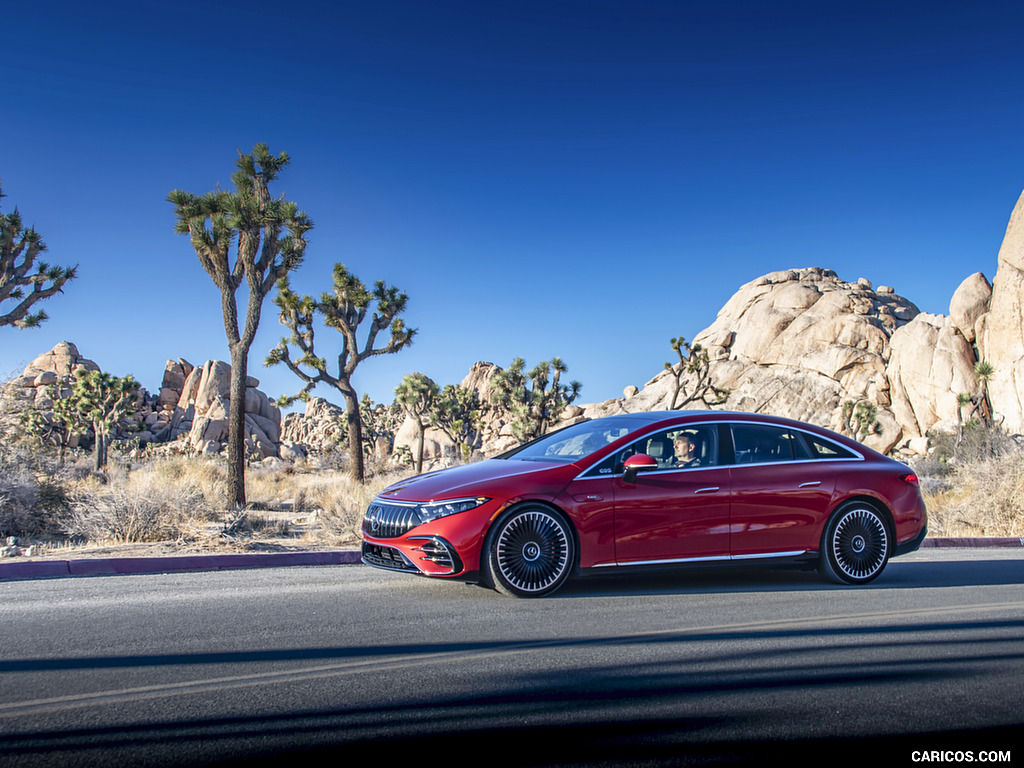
(638, 462)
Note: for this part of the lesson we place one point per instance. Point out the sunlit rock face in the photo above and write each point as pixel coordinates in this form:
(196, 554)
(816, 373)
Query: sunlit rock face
(1000, 332)
(798, 343)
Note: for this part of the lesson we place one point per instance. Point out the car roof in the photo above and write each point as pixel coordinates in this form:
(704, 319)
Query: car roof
(653, 417)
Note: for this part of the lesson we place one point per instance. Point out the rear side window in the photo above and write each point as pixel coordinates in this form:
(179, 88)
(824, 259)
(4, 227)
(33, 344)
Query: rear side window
(760, 444)
(825, 449)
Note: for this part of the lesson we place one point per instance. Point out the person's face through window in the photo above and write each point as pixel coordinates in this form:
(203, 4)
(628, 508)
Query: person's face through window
(683, 448)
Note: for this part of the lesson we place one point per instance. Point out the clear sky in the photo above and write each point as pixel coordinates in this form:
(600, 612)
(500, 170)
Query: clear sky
(580, 178)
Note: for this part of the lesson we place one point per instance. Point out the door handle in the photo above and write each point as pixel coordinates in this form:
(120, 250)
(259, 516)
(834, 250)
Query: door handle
(706, 490)
(810, 484)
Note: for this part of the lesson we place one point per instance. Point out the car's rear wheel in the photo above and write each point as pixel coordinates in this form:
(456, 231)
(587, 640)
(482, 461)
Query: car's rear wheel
(530, 552)
(855, 548)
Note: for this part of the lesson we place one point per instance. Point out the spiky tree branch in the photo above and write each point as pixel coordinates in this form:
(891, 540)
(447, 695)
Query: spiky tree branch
(23, 282)
(417, 394)
(345, 309)
(458, 413)
(534, 400)
(692, 377)
(860, 419)
(98, 401)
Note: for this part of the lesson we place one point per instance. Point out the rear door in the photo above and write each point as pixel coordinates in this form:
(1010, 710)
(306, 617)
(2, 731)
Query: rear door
(780, 493)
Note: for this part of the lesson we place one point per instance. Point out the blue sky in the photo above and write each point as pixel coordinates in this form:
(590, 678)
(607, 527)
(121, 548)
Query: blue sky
(581, 178)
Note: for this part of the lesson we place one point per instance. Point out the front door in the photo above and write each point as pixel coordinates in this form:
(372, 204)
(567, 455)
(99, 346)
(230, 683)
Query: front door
(680, 511)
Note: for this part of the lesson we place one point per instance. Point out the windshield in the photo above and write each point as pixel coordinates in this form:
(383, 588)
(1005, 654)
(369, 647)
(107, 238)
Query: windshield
(575, 442)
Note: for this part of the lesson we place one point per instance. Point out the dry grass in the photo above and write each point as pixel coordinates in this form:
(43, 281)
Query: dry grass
(180, 500)
(982, 497)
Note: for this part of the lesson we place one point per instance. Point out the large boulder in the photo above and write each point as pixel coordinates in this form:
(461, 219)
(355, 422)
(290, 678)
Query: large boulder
(53, 367)
(203, 404)
(798, 343)
(930, 363)
(970, 301)
(1000, 332)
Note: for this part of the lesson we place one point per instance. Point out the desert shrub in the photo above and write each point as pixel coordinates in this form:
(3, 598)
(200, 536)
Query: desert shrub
(982, 497)
(207, 477)
(973, 482)
(142, 510)
(341, 503)
(974, 441)
(33, 494)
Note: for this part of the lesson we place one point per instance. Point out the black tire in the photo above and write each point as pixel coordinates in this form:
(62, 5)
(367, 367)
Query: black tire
(856, 544)
(530, 552)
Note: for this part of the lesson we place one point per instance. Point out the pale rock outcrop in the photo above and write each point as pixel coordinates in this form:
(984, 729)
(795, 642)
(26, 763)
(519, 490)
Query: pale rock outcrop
(797, 343)
(320, 428)
(57, 365)
(1000, 332)
(930, 363)
(200, 411)
(970, 301)
(436, 443)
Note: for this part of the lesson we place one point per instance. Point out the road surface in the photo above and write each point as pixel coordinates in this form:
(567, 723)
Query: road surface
(338, 663)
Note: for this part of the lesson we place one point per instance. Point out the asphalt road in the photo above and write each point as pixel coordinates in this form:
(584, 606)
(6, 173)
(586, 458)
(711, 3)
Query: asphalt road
(337, 663)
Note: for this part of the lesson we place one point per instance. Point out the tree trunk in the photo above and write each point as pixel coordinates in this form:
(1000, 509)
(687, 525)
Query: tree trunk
(355, 435)
(236, 427)
(98, 446)
(419, 453)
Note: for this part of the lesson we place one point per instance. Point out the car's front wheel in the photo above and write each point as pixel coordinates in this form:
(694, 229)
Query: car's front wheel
(855, 547)
(530, 552)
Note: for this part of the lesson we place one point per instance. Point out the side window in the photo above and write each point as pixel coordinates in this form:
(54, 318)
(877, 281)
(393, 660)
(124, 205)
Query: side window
(820, 448)
(684, 447)
(759, 444)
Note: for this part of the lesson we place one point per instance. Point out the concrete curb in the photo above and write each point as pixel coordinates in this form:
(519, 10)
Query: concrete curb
(1009, 541)
(36, 569)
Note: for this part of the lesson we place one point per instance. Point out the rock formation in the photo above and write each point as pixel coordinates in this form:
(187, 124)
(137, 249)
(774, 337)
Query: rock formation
(797, 343)
(192, 404)
(1000, 331)
(59, 364)
(200, 410)
(320, 428)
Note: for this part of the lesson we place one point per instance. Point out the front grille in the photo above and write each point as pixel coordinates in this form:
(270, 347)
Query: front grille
(388, 521)
(386, 557)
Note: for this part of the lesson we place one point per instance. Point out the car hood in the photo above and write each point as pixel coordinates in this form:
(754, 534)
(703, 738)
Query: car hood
(478, 478)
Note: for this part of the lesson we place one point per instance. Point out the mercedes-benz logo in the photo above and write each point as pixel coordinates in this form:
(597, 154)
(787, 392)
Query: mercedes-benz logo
(531, 551)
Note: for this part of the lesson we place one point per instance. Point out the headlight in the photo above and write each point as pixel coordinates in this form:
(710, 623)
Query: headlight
(433, 511)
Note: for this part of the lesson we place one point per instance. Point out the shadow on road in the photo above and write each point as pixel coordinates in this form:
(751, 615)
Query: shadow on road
(898, 575)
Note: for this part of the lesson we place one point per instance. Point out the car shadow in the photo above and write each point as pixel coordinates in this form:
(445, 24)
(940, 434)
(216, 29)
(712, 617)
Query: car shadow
(897, 575)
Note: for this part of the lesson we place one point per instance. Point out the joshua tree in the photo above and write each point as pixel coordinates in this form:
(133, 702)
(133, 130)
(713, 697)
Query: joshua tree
(269, 239)
(692, 377)
(98, 401)
(860, 419)
(458, 412)
(532, 404)
(978, 401)
(417, 395)
(20, 286)
(344, 309)
(380, 423)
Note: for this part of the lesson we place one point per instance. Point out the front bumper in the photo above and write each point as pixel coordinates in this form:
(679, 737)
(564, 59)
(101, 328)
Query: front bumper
(427, 555)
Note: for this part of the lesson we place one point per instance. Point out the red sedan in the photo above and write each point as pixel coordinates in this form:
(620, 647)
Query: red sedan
(652, 490)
